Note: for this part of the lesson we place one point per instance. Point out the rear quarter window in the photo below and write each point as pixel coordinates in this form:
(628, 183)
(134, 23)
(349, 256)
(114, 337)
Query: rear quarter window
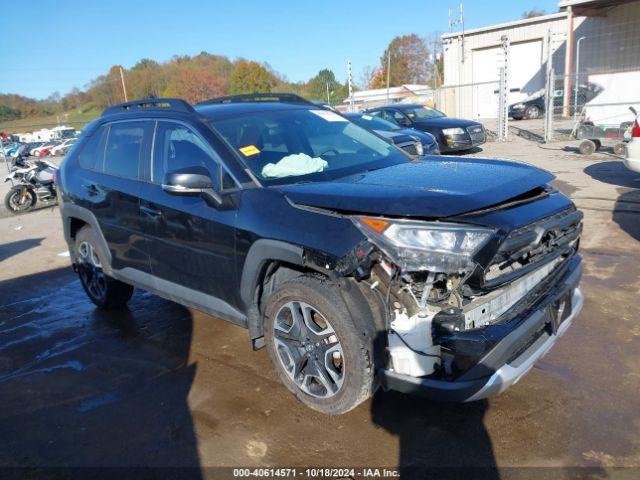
(123, 149)
(91, 153)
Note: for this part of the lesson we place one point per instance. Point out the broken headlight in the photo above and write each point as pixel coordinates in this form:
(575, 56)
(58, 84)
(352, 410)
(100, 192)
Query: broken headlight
(416, 246)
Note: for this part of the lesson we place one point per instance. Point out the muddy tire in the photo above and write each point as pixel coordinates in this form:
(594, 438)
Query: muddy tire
(106, 292)
(619, 149)
(322, 352)
(20, 199)
(587, 147)
(598, 144)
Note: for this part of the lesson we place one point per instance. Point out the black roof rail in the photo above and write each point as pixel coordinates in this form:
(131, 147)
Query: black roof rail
(259, 97)
(163, 104)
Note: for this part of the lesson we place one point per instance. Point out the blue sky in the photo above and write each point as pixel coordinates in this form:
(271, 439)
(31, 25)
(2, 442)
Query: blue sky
(55, 45)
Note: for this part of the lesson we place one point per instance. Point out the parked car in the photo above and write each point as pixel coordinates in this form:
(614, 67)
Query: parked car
(452, 134)
(534, 106)
(11, 149)
(32, 145)
(414, 142)
(63, 147)
(35, 152)
(46, 151)
(354, 265)
(632, 147)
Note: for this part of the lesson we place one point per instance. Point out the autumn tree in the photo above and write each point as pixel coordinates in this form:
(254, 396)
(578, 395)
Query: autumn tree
(250, 77)
(107, 89)
(196, 84)
(409, 62)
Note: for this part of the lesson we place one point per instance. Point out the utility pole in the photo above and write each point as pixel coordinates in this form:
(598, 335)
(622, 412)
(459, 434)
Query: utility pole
(388, 71)
(349, 79)
(124, 88)
(328, 101)
(503, 91)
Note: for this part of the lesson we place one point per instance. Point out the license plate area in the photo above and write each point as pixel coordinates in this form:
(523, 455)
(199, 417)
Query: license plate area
(559, 311)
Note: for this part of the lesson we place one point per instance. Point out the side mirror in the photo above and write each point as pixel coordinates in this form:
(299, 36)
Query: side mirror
(633, 110)
(193, 181)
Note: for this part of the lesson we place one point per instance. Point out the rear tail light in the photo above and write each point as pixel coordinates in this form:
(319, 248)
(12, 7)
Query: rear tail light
(635, 131)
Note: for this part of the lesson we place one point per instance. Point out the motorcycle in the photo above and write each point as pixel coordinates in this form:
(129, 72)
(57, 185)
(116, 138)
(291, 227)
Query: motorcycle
(31, 182)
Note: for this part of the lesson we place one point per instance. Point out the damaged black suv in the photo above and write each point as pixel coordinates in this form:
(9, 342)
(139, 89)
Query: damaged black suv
(357, 266)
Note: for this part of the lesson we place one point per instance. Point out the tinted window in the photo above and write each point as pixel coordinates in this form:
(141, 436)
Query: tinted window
(371, 122)
(422, 113)
(176, 148)
(289, 145)
(123, 149)
(92, 152)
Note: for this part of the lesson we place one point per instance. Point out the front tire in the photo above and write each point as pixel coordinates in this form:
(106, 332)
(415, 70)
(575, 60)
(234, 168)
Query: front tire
(587, 147)
(321, 352)
(532, 112)
(20, 199)
(104, 291)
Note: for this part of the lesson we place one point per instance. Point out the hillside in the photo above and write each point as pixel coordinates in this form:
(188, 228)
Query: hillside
(194, 79)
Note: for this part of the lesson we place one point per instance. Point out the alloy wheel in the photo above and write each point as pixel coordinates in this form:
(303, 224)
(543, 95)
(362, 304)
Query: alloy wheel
(90, 270)
(309, 350)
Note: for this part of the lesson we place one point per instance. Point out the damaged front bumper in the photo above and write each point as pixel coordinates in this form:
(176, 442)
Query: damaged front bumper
(513, 347)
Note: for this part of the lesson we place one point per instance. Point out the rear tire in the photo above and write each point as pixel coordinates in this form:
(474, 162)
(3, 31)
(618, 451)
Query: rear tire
(598, 144)
(104, 291)
(619, 149)
(322, 353)
(587, 147)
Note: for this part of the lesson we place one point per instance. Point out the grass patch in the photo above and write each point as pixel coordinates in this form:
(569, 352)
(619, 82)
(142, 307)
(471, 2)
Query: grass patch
(74, 119)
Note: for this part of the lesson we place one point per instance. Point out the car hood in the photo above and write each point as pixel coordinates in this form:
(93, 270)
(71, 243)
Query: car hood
(436, 188)
(444, 122)
(424, 137)
(396, 137)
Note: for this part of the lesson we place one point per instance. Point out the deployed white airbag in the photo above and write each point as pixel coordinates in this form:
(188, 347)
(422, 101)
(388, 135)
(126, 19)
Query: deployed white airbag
(294, 165)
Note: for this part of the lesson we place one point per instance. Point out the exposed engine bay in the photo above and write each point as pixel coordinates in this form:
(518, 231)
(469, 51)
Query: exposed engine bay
(430, 310)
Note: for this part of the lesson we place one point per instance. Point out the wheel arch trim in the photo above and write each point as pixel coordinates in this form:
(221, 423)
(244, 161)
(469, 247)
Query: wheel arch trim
(70, 212)
(260, 253)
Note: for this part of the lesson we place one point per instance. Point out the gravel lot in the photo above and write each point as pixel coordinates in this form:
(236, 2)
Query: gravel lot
(160, 385)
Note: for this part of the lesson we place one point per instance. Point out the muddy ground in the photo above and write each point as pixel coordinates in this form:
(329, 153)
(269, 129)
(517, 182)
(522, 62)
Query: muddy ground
(161, 385)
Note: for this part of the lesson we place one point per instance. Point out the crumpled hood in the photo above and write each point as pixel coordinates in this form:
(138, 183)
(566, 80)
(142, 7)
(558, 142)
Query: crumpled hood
(435, 188)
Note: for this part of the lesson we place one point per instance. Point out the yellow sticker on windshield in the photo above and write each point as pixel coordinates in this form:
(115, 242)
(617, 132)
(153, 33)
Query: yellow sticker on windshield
(249, 150)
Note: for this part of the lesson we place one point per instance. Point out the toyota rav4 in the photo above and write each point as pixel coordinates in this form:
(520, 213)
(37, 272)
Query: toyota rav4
(357, 266)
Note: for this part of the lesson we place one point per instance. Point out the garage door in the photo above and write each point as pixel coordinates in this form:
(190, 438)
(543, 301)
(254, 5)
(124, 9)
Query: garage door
(527, 72)
(526, 67)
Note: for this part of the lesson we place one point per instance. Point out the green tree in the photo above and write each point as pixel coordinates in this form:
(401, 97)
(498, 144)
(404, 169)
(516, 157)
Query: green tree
(251, 77)
(409, 62)
(317, 87)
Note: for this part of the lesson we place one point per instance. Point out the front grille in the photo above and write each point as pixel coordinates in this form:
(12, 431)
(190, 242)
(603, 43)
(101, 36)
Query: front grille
(476, 133)
(538, 242)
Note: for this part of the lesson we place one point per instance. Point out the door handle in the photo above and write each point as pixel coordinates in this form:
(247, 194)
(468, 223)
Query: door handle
(151, 212)
(91, 189)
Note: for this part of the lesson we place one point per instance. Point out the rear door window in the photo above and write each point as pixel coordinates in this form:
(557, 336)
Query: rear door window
(92, 153)
(124, 149)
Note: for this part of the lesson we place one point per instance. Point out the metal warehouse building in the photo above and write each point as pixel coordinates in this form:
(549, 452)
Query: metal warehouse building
(596, 36)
